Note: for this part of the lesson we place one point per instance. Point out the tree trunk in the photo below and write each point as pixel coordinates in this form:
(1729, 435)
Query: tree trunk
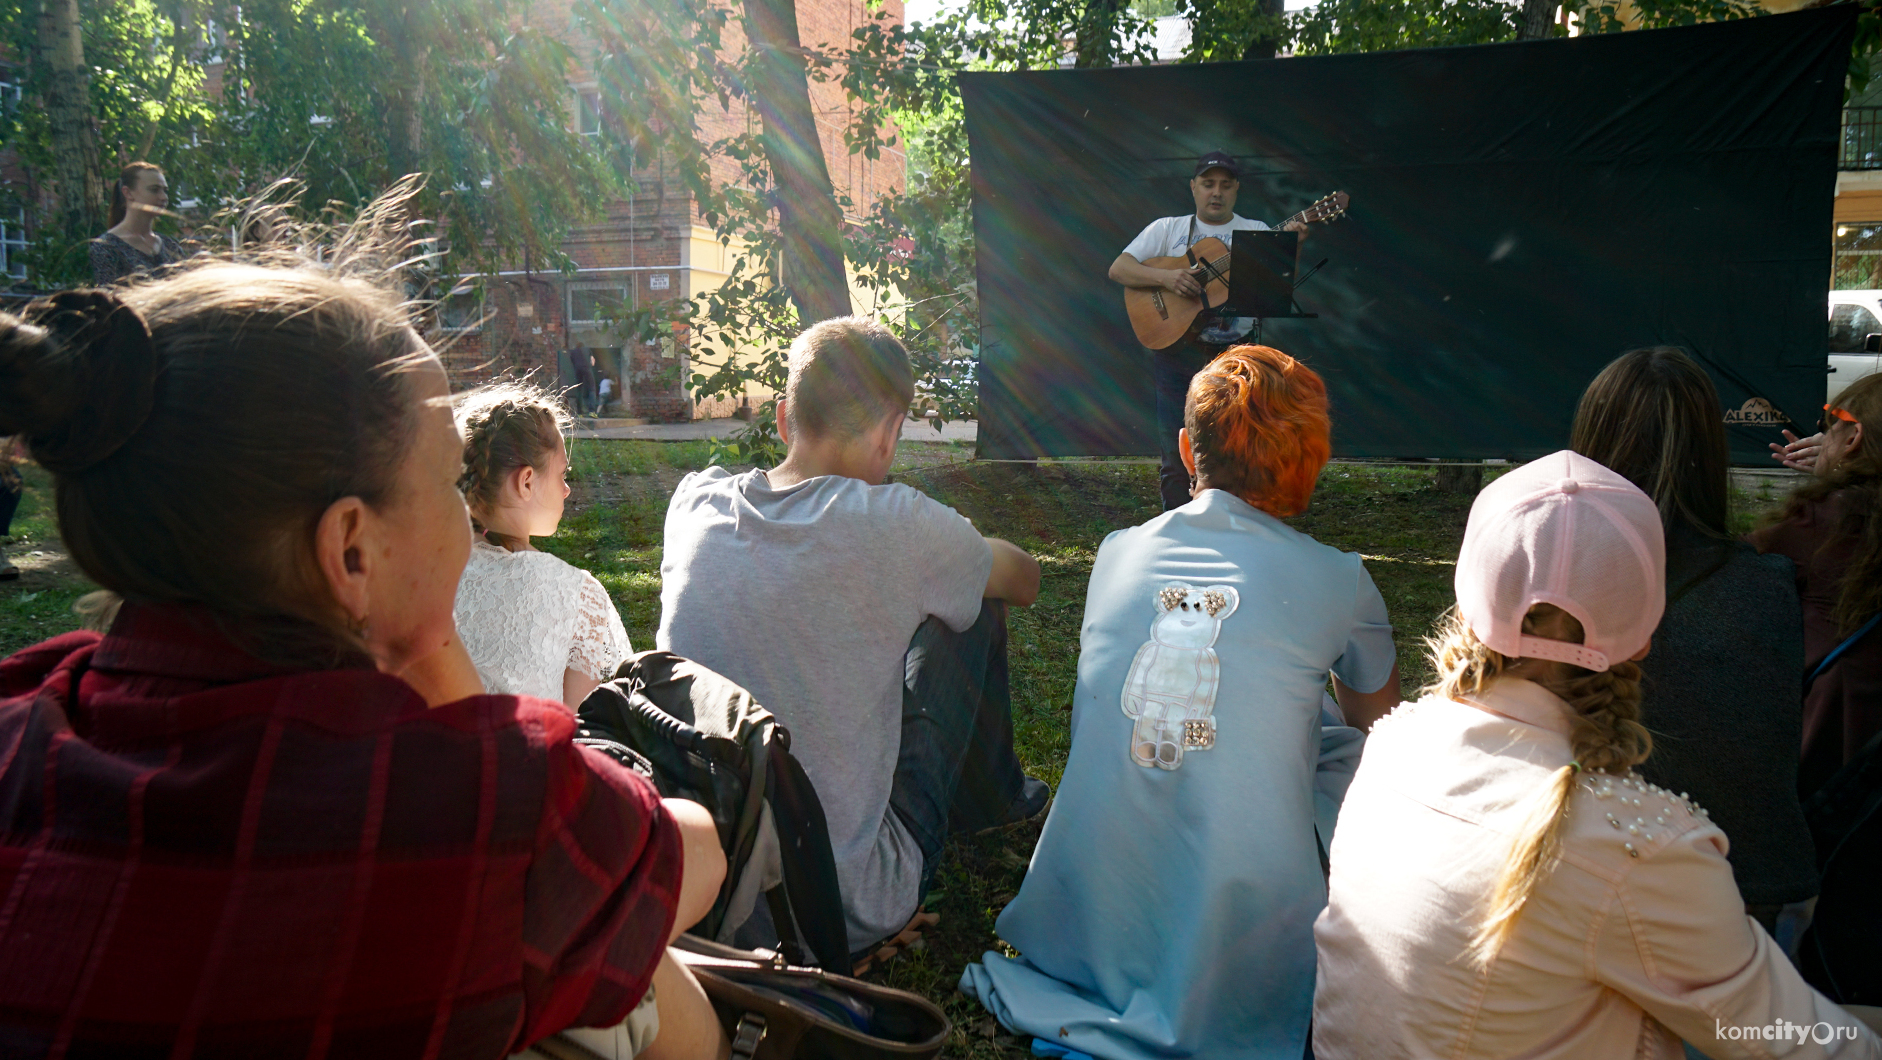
(1459, 478)
(406, 53)
(808, 218)
(1538, 19)
(75, 162)
(1265, 45)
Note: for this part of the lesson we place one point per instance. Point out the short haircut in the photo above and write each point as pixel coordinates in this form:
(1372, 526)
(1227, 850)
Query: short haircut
(848, 374)
(1258, 427)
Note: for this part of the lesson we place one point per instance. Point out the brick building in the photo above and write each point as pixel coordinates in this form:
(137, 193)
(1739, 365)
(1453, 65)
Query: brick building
(651, 247)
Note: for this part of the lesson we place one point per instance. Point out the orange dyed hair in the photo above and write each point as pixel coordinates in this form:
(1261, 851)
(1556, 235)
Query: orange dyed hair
(1258, 426)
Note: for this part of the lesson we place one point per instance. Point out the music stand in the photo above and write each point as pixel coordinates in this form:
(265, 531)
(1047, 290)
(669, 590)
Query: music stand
(1262, 267)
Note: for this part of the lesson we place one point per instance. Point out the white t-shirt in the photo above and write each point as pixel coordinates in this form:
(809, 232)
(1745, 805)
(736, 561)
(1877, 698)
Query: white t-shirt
(1168, 237)
(808, 596)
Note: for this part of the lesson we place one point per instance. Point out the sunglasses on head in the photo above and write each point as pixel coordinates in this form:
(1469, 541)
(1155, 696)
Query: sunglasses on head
(1824, 422)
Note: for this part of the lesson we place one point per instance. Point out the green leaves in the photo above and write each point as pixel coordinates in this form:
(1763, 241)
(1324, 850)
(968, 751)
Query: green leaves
(345, 96)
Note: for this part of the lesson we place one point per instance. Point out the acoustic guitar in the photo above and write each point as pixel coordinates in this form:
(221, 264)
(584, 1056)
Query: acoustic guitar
(1160, 317)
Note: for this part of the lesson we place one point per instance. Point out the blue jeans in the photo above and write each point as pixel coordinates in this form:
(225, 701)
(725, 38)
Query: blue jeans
(956, 771)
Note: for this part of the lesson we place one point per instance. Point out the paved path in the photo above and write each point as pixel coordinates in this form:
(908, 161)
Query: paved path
(958, 431)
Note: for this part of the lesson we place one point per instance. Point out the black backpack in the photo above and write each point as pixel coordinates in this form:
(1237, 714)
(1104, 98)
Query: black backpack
(700, 736)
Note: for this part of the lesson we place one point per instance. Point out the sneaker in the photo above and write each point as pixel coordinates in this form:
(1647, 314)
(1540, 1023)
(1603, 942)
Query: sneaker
(1033, 796)
(8, 572)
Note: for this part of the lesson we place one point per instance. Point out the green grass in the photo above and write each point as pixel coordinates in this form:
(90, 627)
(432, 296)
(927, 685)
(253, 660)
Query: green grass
(595, 459)
(1059, 511)
(39, 604)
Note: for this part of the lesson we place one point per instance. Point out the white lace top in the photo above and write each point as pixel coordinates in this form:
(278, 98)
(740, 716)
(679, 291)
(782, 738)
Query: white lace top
(526, 617)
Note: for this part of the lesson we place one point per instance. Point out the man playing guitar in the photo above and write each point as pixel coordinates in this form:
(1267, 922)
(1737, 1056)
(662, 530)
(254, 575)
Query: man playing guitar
(1213, 187)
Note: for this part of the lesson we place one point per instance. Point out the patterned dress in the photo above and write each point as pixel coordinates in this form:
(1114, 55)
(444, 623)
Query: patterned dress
(113, 259)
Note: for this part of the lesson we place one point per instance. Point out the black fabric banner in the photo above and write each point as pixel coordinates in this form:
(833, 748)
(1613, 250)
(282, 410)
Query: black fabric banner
(1521, 214)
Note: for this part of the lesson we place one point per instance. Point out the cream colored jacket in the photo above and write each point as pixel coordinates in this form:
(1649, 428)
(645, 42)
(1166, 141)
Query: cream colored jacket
(1637, 939)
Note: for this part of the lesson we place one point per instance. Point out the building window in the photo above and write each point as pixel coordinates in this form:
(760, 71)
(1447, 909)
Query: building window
(461, 311)
(588, 112)
(13, 243)
(595, 304)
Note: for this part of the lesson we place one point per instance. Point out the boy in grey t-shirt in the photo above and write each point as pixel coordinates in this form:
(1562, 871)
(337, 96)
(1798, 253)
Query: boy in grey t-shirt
(870, 619)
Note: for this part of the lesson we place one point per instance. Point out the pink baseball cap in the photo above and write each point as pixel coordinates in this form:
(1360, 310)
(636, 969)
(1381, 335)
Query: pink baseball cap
(1563, 530)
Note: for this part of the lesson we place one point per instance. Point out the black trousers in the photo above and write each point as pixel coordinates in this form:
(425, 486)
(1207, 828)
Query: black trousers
(10, 489)
(1173, 368)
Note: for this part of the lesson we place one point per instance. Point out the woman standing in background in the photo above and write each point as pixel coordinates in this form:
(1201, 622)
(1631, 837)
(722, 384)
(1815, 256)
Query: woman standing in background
(130, 246)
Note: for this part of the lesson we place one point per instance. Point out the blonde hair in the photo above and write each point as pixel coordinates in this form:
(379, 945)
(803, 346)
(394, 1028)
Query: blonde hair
(506, 426)
(1605, 737)
(847, 375)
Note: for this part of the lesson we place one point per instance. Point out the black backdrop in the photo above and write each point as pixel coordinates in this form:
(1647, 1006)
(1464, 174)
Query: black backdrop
(1521, 214)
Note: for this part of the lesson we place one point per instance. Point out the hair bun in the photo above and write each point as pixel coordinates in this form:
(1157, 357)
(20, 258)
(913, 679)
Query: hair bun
(77, 377)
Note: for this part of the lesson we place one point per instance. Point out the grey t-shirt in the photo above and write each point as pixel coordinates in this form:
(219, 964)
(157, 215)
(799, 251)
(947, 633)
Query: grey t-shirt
(808, 596)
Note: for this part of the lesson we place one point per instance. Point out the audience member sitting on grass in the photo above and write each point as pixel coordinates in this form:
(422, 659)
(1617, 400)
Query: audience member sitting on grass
(1721, 690)
(1503, 884)
(1832, 530)
(1169, 907)
(534, 625)
(870, 619)
(271, 811)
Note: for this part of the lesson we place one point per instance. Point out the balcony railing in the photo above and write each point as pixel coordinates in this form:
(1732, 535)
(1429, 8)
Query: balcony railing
(1862, 138)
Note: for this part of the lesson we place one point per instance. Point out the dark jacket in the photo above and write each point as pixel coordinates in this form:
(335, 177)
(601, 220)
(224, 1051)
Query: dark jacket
(1723, 699)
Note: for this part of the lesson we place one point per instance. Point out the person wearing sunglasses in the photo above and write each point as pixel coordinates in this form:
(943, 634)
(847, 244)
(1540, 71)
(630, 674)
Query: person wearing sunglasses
(1800, 454)
(1828, 527)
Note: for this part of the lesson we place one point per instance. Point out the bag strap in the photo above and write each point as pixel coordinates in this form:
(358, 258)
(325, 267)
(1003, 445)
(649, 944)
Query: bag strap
(1837, 651)
(746, 1035)
(745, 834)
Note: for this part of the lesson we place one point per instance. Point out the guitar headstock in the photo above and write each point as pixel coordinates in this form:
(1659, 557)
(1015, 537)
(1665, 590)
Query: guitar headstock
(1329, 207)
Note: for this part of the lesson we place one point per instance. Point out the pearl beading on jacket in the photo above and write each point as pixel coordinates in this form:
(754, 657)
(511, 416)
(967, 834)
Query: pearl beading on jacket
(1603, 786)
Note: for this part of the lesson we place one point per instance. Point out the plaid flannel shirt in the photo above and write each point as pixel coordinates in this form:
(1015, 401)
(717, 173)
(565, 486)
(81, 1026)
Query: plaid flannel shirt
(203, 855)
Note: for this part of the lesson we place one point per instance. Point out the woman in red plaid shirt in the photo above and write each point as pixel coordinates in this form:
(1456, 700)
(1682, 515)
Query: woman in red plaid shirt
(271, 812)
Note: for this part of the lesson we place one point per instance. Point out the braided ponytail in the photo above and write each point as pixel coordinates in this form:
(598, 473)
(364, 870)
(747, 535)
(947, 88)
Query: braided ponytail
(1605, 736)
(506, 426)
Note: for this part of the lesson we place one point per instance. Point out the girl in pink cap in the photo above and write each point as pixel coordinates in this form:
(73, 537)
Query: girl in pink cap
(1503, 884)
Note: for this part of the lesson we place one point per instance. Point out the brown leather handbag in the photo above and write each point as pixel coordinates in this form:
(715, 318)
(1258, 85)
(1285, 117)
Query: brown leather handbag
(775, 1011)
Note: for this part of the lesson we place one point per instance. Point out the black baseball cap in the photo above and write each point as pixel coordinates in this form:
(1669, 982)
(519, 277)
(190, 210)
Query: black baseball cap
(1218, 160)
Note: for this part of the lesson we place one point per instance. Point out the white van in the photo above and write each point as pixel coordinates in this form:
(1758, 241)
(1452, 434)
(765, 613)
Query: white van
(1853, 315)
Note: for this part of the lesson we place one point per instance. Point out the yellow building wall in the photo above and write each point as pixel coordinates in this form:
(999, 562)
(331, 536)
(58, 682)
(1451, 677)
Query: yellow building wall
(709, 264)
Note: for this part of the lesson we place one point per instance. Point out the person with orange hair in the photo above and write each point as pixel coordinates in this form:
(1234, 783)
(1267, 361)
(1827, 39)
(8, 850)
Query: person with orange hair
(1170, 904)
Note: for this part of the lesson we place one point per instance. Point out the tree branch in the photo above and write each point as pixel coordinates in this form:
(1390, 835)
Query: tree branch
(177, 45)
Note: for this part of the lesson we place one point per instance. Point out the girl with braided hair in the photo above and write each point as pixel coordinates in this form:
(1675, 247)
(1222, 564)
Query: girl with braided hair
(1502, 883)
(533, 624)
